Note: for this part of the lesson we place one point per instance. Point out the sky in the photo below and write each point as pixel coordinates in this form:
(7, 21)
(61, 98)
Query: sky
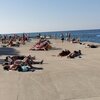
(18, 16)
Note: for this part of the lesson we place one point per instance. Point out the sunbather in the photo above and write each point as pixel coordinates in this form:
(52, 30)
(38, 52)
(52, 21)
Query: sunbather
(64, 53)
(27, 61)
(41, 45)
(74, 54)
(92, 46)
(17, 59)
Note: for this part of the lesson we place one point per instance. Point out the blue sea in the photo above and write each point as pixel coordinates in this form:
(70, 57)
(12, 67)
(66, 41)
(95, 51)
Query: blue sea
(84, 35)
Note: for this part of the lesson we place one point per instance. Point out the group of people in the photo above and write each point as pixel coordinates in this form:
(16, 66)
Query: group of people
(42, 44)
(69, 38)
(70, 54)
(14, 40)
(21, 63)
(25, 63)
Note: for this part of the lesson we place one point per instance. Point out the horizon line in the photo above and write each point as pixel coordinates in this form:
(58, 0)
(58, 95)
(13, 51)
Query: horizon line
(50, 31)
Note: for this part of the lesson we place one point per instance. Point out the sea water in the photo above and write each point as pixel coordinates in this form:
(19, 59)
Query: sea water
(84, 35)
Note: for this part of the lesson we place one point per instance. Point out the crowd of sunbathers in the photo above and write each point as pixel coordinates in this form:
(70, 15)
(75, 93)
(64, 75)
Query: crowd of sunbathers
(14, 40)
(25, 63)
(42, 44)
(70, 54)
(21, 63)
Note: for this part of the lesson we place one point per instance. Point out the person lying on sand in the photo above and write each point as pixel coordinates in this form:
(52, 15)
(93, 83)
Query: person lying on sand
(22, 59)
(29, 59)
(19, 68)
(64, 53)
(18, 64)
(76, 40)
(74, 54)
(42, 45)
(92, 46)
(16, 57)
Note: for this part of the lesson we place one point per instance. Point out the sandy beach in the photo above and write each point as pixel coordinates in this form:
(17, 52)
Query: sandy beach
(60, 79)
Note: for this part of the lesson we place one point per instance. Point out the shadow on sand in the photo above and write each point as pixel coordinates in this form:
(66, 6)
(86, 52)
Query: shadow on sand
(8, 51)
(54, 48)
(1, 61)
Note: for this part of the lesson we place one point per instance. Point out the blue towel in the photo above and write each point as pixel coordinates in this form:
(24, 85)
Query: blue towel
(25, 68)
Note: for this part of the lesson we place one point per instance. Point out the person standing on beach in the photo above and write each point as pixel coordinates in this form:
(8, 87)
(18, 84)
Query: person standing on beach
(62, 37)
(69, 36)
(23, 39)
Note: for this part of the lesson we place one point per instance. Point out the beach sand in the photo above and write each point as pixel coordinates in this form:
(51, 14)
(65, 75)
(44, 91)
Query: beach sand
(60, 79)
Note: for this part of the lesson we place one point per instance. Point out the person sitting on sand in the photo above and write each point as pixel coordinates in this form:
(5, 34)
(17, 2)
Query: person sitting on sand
(74, 54)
